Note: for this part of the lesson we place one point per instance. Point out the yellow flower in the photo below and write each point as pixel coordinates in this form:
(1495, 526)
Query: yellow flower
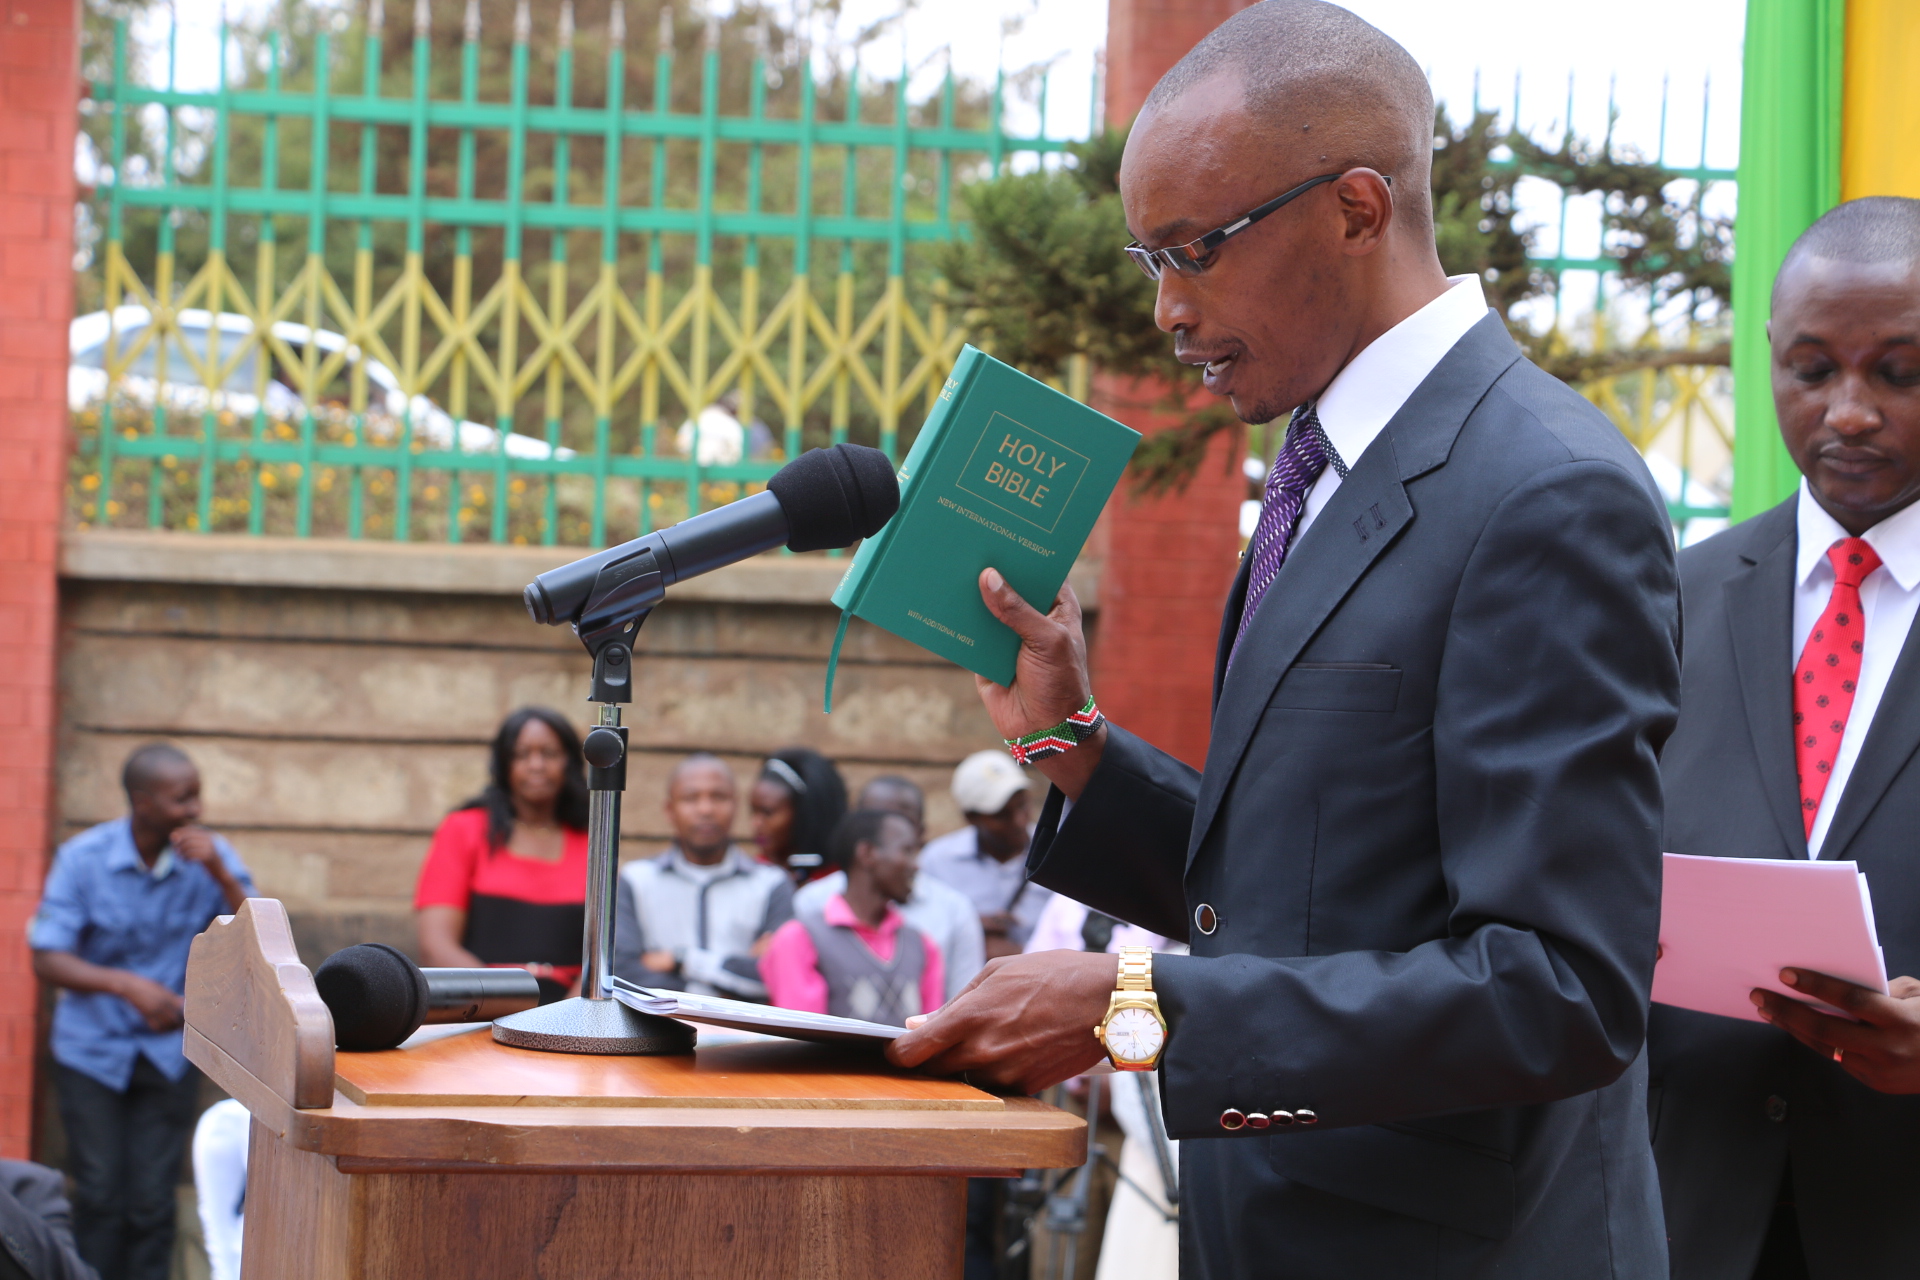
(267, 477)
(293, 470)
(476, 495)
(90, 481)
(431, 493)
(114, 508)
(169, 462)
(516, 485)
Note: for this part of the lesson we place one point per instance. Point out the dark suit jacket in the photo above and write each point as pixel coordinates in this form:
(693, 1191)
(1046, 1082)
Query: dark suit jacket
(1730, 1100)
(36, 1225)
(1430, 823)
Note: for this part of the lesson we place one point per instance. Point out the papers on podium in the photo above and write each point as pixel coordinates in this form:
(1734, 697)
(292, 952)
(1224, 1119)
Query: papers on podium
(1728, 925)
(794, 1024)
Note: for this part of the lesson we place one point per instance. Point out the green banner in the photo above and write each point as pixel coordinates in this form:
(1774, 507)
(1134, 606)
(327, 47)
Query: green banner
(1789, 175)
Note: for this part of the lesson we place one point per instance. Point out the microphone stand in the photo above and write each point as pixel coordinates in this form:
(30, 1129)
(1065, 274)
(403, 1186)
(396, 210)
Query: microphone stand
(624, 594)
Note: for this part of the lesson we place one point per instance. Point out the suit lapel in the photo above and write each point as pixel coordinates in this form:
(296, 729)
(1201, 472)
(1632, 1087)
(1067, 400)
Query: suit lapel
(1760, 619)
(1236, 598)
(1891, 741)
(1367, 514)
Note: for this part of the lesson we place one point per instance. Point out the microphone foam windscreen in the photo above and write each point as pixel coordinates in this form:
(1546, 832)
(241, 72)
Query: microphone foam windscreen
(834, 497)
(378, 997)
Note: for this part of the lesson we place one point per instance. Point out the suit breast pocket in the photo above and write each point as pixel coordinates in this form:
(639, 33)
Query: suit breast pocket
(1339, 686)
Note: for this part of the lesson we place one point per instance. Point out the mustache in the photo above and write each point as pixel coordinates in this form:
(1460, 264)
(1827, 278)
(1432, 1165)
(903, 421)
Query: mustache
(1193, 353)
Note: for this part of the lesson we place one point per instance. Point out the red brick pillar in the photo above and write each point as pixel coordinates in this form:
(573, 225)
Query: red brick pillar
(39, 102)
(1168, 561)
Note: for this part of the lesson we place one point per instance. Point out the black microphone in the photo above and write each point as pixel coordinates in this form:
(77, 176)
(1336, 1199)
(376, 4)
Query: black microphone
(378, 997)
(824, 498)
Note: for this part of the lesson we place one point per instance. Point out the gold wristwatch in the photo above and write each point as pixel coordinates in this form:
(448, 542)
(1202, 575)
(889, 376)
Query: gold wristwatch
(1133, 1031)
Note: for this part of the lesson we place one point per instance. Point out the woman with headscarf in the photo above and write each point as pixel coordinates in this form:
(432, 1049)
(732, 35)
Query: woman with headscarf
(797, 801)
(505, 881)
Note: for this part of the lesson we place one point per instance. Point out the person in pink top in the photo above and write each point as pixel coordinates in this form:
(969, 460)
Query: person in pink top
(854, 955)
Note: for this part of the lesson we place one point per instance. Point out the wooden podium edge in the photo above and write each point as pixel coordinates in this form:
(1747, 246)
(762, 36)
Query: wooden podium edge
(249, 997)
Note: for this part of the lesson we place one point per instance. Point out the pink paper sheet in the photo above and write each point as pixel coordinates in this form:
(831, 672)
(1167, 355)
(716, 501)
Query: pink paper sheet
(1728, 925)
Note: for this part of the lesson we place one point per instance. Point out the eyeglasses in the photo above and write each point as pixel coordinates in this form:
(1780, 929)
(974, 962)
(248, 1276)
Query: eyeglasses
(1194, 257)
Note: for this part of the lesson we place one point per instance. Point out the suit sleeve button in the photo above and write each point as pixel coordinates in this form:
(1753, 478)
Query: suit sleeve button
(1304, 1116)
(1233, 1119)
(1258, 1120)
(1281, 1119)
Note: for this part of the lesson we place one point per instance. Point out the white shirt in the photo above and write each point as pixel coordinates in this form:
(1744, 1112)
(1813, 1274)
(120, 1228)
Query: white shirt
(1889, 596)
(1365, 395)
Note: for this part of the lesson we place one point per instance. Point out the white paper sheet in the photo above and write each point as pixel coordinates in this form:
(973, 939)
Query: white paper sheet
(1728, 925)
(791, 1024)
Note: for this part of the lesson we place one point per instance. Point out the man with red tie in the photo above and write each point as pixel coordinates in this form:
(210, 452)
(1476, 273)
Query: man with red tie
(1799, 724)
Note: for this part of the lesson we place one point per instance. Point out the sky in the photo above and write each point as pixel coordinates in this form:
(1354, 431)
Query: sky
(1558, 52)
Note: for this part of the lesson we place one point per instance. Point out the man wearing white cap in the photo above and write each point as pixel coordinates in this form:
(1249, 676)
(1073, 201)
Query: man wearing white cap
(987, 858)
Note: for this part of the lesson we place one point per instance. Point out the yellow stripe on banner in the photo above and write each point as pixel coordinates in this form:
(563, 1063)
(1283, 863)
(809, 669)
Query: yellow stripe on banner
(1881, 115)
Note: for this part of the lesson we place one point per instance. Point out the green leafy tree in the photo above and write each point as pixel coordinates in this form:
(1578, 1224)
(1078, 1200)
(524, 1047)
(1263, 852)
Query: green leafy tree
(1044, 280)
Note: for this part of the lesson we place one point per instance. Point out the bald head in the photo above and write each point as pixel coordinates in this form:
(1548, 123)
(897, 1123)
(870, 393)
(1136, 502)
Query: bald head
(151, 764)
(1872, 231)
(1326, 87)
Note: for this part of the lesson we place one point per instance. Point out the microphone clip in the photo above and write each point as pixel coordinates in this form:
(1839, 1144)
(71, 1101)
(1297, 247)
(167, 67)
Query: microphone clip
(623, 594)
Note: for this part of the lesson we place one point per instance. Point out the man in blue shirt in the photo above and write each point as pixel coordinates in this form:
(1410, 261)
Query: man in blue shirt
(121, 906)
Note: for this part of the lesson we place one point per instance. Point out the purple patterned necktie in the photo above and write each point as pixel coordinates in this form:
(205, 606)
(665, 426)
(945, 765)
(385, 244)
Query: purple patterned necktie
(1304, 456)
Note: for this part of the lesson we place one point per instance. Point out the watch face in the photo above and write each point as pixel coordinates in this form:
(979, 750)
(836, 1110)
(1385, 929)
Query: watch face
(1134, 1035)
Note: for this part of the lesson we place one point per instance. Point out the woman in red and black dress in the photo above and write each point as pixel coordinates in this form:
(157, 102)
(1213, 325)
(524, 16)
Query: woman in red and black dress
(505, 881)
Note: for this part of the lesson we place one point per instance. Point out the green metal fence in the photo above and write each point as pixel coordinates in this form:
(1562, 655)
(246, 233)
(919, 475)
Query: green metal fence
(405, 299)
(775, 301)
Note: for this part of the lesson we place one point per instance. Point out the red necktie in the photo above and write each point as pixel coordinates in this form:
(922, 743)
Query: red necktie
(1829, 669)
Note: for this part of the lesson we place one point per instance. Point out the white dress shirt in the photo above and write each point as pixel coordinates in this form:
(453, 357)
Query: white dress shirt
(1889, 596)
(1365, 395)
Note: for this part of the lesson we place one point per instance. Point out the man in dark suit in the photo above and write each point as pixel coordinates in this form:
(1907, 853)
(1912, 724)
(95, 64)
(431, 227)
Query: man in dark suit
(1800, 718)
(1420, 874)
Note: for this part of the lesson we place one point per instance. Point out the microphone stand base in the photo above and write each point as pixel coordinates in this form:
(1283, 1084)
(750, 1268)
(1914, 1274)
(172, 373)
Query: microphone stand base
(580, 1025)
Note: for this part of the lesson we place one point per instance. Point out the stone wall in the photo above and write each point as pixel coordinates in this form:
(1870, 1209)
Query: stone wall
(338, 696)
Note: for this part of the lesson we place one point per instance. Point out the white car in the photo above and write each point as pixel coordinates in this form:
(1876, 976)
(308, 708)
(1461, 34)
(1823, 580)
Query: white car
(238, 394)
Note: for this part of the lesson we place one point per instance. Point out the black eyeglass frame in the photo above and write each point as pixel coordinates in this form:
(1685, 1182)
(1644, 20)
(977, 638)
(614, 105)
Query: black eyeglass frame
(1189, 259)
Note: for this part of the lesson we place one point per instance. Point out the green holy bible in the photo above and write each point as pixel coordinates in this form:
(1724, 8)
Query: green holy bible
(1007, 474)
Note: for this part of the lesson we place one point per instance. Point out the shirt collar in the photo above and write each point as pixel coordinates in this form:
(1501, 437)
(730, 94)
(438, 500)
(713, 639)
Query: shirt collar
(735, 862)
(1364, 396)
(838, 913)
(124, 855)
(1896, 540)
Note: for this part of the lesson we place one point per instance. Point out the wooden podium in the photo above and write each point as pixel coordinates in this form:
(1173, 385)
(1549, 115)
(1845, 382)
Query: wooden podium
(462, 1158)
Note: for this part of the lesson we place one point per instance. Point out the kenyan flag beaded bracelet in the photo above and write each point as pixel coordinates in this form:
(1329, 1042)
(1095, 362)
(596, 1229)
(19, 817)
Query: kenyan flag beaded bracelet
(1062, 737)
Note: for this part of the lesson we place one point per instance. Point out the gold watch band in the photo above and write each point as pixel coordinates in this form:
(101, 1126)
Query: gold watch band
(1136, 968)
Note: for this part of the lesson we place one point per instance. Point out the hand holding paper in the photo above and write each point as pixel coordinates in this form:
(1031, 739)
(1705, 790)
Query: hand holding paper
(1881, 1050)
(1729, 925)
(1793, 944)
